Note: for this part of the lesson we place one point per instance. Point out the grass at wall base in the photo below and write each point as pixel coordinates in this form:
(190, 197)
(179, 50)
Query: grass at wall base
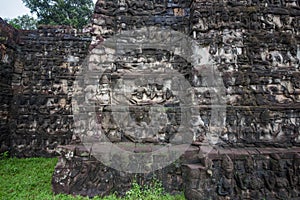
(30, 178)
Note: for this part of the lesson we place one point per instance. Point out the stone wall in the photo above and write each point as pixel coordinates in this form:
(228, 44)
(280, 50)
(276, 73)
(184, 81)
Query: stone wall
(8, 47)
(224, 173)
(79, 173)
(256, 46)
(244, 173)
(39, 69)
(252, 45)
(249, 112)
(41, 109)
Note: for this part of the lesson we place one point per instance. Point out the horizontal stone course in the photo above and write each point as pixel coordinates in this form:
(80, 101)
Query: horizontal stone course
(251, 105)
(42, 70)
(200, 177)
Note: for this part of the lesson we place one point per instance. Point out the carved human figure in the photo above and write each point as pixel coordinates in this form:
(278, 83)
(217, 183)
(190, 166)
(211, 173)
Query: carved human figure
(241, 177)
(282, 183)
(227, 183)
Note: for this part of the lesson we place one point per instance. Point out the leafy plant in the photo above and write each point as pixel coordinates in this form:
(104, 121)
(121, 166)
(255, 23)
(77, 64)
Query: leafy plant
(4, 155)
(153, 191)
(24, 22)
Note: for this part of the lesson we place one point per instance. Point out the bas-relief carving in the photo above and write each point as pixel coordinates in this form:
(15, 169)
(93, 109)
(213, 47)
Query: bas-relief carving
(234, 49)
(44, 64)
(261, 91)
(254, 45)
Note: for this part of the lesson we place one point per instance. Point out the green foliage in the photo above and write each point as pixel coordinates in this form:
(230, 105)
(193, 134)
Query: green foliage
(75, 13)
(26, 178)
(24, 22)
(31, 179)
(4, 155)
(150, 192)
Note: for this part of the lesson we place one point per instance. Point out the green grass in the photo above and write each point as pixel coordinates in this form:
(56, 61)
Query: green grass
(30, 178)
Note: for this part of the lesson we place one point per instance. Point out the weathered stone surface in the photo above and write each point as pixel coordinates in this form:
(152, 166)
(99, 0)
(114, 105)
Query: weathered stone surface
(37, 72)
(253, 45)
(78, 172)
(259, 67)
(8, 40)
(247, 173)
(241, 173)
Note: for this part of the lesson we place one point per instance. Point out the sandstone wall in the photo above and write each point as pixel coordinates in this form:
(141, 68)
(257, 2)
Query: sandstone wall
(38, 72)
(224, 173)
(8, 42)
(254, 47)
(41, 111)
